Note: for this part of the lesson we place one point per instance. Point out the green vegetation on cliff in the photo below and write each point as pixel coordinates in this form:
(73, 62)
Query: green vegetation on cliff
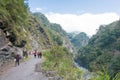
(103, 50)
(55, 31)
(20, 26)
(13, 18)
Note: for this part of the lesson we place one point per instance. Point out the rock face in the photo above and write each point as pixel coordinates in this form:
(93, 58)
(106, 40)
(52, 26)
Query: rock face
(7, 53)
(3, 39)
(3, 51)
(7, 50)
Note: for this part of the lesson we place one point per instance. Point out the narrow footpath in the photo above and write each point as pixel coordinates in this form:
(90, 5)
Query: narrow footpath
(25, 71)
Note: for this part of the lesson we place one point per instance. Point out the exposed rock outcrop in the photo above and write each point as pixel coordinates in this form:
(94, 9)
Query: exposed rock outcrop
(3, 39)
(7, 49)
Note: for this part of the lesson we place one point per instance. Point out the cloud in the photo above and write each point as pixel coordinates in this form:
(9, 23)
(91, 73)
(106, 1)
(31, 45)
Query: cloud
(38, 9)
(86, 22)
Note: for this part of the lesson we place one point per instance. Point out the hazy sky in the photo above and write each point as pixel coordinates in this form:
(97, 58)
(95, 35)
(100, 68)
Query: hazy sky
(78, 15)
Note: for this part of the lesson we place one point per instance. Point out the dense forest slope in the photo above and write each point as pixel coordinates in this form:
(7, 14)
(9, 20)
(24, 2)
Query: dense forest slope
(103, 50)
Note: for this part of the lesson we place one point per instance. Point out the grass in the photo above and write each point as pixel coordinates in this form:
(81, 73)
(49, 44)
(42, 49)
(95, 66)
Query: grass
(58, 59)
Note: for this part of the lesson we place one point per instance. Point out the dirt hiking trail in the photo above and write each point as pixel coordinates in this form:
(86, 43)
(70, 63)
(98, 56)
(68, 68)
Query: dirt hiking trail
(25, 71)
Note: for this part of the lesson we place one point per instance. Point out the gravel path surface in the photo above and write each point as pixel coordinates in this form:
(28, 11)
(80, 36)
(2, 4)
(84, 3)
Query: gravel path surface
(25, 71)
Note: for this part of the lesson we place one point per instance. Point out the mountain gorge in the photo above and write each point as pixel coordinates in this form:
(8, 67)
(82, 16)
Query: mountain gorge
(22, 30)
(103, 50)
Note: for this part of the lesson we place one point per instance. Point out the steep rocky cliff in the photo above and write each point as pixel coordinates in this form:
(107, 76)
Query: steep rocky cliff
(19, 30)
(32, 37)
(56, 33)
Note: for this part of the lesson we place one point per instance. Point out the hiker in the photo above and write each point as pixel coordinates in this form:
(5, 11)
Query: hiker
(35, 53)
(25, 54)
(31, 53)
(17, 59)
(39, 54)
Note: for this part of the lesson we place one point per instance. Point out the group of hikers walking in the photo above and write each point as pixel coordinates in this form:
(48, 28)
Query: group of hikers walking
(37, 53)
(17, 57)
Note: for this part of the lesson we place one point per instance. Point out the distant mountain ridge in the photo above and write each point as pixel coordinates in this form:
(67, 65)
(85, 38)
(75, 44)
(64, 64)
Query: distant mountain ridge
(78, 39)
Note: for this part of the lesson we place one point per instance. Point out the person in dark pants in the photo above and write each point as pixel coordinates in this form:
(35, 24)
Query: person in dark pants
(17, 60)
(35, 53)
(39, 55)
